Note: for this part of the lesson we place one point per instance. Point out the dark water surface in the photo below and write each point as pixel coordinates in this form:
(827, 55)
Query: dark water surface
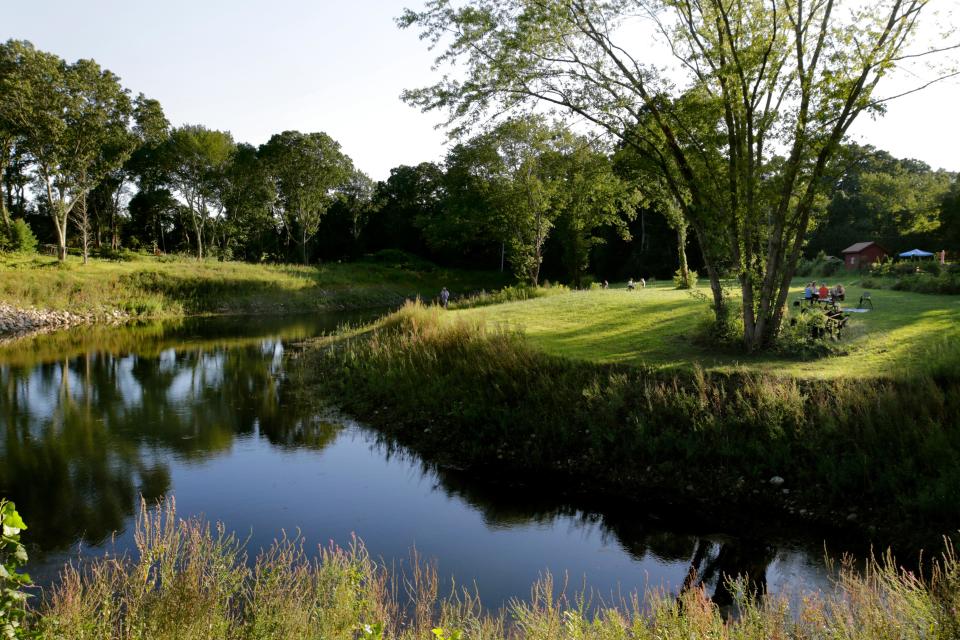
(92, 419)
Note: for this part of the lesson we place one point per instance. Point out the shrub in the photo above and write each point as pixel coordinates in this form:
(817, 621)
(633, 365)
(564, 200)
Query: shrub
(820, 266)
(933, 267)
(947, 282)
(19, 238)
(13, 555)
(119, 255)
(689, 283)
(402, 260)
(513, 293)
(803, 336)
(188, 579)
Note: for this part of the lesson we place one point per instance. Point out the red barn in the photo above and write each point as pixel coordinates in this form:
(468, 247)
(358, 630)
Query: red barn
(862, 255)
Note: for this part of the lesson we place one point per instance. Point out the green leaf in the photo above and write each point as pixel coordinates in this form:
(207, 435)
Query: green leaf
(11, 517)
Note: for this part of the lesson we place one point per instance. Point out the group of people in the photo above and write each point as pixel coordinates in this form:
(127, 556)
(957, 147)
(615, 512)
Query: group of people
(631, 285)
(812, 293)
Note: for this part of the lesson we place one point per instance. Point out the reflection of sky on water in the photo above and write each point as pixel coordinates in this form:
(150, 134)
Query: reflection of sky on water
(206, 423)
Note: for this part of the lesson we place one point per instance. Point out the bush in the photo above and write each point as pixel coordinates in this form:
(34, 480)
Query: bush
(798, 337)
(119, 255)
(691, 281)
(946, 282)
(514, 293)
(13, 555)
(821, 266)
(19, 238)
(401, 260)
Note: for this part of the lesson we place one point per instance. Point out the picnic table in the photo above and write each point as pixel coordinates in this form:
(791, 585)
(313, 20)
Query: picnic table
(828, 301)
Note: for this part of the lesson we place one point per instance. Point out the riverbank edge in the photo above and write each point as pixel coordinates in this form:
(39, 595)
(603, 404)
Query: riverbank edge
(43, 296)
(19, 323)
(731, 445)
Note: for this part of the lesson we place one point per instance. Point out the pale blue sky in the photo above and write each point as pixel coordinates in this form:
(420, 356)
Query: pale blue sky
(255, 68)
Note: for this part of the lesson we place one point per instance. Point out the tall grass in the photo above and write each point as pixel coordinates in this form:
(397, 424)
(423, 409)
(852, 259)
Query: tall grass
(187, 579)
(462, 392)
(515, 293)
(145, 286)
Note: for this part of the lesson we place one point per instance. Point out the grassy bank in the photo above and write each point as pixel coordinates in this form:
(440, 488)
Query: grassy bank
(465, 393)
(905, 332)
(188, 580)
(167, 286)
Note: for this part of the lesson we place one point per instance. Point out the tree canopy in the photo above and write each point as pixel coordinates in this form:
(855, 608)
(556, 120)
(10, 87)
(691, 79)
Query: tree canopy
(741, 128)
(72, 119)
(306, 169)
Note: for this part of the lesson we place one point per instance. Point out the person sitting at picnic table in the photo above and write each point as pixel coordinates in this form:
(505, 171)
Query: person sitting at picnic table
(838, 292)
(823, 293)
(808, 292)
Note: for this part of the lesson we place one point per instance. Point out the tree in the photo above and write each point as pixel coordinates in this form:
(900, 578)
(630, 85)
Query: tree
(8, 132)
(248, 196)
(520, 162)
(593, 197)
(152, 213)
(150, 129)
(878, 197)
(656, 197)
(753, 79)
(197, 157)
(306, 170)
(950, 215)
(409, 208)
(357, 196)
(73, 120)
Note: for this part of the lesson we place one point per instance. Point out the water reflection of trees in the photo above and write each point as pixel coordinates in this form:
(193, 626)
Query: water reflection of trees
(641, 533)
(85, 435)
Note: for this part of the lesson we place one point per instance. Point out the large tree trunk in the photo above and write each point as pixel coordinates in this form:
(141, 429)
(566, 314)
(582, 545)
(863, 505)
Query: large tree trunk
(114, 211)
(82, 217)
(198, 236)
(682, 255)
(4, 214)
(716, 287)
(4, 162)
(60, 225)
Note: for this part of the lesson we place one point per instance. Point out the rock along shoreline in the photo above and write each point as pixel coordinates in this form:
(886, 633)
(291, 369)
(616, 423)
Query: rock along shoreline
(17, 323)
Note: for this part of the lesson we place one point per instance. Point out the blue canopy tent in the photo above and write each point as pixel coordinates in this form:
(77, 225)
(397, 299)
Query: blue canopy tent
(916, 253)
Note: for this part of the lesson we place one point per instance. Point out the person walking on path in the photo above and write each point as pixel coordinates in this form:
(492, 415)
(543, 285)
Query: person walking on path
(444, 297)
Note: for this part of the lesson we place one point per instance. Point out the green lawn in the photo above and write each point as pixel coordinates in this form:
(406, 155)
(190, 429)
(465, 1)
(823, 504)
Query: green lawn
(654, 326)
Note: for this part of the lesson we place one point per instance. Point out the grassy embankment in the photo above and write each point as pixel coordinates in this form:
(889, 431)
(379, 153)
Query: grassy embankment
(905, 333)
(171, 287)
(188, 581)
(607, 389)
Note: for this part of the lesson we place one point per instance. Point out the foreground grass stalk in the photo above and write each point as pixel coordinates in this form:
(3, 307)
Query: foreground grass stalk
(190, 580)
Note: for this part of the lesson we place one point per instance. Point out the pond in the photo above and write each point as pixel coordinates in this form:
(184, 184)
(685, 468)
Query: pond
(91, 419)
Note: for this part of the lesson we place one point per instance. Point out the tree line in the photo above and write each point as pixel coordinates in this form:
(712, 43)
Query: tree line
(106, 170)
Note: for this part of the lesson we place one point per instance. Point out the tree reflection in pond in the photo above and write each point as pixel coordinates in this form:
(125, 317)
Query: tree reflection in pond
(713, 560)
(86, 434)
(201, 408)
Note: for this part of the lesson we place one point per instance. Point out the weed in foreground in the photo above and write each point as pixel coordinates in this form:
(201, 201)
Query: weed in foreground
(187, 579)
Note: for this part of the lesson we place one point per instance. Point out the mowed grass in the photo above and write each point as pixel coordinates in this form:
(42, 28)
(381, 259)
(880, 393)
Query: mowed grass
(656, 326)
(173, 286)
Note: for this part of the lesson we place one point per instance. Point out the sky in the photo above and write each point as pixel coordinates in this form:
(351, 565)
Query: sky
(256, 68)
